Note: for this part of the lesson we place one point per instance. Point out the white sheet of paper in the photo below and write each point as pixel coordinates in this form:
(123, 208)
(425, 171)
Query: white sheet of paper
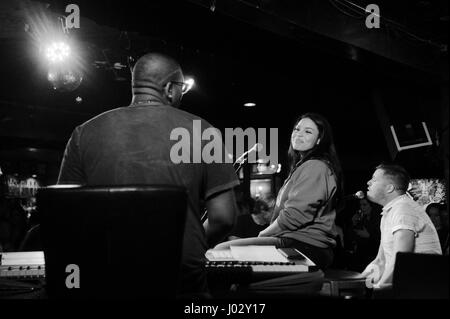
(22, 258)
(219, 255)
(257, 253)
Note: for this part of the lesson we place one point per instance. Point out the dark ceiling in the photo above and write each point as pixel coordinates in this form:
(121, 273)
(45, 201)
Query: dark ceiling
(288, 57)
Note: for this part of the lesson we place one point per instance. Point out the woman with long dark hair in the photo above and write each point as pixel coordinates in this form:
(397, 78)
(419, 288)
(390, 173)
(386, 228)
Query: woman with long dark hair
(306, 205)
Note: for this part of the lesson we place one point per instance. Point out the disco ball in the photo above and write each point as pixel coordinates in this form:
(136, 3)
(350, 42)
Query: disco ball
(65, 80)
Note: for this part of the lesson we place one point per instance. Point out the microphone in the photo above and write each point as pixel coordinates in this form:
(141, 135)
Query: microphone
(256, 148)
(357, 195)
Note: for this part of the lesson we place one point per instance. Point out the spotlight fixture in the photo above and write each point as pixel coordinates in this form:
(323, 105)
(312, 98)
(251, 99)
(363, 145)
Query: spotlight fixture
(189, 83)
(57, 52)
(249, 104)
(65, 79)
(63, 73)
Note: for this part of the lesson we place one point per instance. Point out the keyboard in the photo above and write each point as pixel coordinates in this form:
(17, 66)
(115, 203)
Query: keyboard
(248, 271)
(22, 265)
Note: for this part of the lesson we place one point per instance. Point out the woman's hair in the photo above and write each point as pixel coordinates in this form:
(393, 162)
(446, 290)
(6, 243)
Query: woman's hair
(324, 150)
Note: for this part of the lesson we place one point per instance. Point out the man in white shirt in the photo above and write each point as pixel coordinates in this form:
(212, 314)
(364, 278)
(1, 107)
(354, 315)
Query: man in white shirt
(405, 226)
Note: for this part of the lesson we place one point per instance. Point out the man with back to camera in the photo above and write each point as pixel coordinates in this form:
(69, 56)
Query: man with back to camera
(131, 145)
(405, 227)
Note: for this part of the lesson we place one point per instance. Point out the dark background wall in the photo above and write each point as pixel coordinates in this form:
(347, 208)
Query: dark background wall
(288, 57)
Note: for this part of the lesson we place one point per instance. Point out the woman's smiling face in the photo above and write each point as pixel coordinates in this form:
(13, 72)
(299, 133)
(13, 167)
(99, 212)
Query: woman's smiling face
(305, 135)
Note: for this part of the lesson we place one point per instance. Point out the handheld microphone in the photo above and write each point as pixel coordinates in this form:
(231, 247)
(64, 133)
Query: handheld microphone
(357, 195)
(256, 148)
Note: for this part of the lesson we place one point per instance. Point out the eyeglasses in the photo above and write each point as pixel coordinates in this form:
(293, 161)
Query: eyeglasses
(185, 87)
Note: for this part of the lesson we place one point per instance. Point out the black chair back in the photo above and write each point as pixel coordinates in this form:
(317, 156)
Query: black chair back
(420, 276)
(112, 242)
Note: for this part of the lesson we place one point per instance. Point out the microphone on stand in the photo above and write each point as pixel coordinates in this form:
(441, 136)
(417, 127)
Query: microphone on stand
(357, 195)
(237, 165)
(244, 157)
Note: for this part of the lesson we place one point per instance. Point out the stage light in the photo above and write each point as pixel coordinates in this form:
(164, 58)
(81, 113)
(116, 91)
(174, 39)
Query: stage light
(57, 52)
(279, 168)
(249, 104)
(64, 72)
(189, 83)
(65, 79)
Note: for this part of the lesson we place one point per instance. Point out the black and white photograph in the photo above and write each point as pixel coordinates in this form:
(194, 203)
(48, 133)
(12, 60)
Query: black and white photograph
(224, 158)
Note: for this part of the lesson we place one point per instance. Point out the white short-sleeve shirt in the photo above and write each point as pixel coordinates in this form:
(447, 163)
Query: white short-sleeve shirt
(404, 213)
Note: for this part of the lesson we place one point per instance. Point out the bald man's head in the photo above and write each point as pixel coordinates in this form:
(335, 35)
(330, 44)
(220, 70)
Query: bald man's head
(155, 70)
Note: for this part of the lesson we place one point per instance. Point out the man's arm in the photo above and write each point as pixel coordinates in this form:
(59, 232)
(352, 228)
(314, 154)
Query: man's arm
(403, 242)
(375, 269)
(222, 210)
(71, 171)
(271, 230)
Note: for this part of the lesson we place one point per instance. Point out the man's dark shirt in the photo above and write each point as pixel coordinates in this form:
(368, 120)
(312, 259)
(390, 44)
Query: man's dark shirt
(246, 227)
(131, 145)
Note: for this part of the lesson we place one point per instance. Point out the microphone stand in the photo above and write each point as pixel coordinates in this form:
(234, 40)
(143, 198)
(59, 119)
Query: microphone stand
(238, 165)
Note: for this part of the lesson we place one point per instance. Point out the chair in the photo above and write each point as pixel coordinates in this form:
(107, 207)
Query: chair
(112, 242)
(420, 276)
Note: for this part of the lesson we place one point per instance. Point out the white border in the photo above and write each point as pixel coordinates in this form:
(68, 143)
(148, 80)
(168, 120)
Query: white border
(414, 145)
